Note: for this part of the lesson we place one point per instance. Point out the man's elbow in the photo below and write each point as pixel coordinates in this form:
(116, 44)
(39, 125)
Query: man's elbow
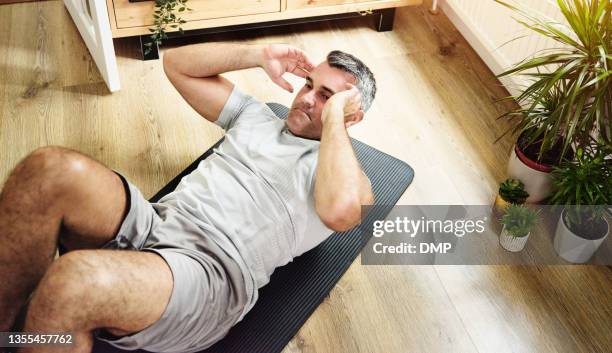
(341, 216)
(368, 198)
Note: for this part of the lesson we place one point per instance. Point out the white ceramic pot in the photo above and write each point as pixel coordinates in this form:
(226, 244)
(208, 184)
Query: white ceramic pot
(538, 182)
(572, 247)
(512, 243)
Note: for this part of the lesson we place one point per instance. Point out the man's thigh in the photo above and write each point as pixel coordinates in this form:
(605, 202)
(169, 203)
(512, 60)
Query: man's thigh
(200, 310)
(137, 221)
(126, 291)
(90, 198)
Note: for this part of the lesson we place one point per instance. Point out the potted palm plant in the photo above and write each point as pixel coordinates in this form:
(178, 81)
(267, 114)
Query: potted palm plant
(568, 96)
(530, 159)
(511, 191)
(517, 224)
(584, 190)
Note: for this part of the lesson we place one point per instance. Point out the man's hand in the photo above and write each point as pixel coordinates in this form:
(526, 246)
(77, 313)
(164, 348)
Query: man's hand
(278, 59)
(342, 104)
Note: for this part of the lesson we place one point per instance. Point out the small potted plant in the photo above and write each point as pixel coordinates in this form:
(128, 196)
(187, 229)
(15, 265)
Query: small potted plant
(584, 190)
(518, 222)
(511, 191)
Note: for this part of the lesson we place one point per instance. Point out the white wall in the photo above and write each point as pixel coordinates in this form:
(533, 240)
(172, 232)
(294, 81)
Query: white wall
(487, 25)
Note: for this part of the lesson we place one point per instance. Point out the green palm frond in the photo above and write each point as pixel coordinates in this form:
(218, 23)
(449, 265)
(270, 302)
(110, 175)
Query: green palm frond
(569, 91)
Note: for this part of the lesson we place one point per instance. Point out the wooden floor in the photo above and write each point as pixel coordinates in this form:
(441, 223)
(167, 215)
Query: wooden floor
(435, 110)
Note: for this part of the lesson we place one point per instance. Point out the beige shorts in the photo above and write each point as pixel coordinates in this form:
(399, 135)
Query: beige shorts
(209, 293)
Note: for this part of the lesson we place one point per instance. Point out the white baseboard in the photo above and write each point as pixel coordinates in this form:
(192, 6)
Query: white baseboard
(481, 44)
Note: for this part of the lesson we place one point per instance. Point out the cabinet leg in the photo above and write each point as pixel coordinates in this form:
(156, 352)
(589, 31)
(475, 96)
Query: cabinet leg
(385, 20)
(149, 51)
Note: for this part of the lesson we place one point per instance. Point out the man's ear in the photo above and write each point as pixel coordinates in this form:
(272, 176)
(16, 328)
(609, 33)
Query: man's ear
(353, 119)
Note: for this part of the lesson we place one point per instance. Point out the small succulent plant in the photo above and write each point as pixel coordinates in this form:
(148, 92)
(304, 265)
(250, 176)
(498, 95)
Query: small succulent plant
(519, 220)
(513, 191)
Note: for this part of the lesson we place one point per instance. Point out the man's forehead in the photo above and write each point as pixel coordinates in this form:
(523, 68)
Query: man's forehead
(331, 77)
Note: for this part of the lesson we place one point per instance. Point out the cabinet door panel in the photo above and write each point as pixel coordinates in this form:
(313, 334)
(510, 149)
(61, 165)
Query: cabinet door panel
(138, 14)
(304, 4)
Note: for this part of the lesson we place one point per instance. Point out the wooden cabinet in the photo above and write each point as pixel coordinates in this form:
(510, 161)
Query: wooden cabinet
(100, 21)
(138, 14)
(304, 4)
(134, 18)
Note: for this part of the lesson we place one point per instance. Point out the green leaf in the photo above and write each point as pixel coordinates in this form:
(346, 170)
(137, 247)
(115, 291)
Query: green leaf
(165, 14)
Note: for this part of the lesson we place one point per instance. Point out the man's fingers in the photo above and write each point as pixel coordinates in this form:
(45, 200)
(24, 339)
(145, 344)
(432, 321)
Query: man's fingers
(303, 61)
(350, 86)
(307, 64)
(296, 62)
(303, 66)
(352, 91)
(355, 95)
(356, 111)
(283, 83)
(300, 71)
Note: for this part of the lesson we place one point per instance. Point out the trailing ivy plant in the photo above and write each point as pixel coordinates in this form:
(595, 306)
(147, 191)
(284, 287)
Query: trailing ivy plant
(165, 15)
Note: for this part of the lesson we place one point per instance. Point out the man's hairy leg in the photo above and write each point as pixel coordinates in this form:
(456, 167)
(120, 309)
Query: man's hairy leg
(123, 291)
(54, 194)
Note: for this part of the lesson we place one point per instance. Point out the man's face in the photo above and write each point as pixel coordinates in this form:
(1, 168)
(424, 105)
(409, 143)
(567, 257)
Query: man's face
(304, 118)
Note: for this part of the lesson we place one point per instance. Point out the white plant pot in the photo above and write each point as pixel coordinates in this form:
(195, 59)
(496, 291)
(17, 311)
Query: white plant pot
(572, 247)
(537, 183)
(512, 243)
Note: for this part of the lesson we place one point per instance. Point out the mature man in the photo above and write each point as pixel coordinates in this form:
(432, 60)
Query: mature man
(273, 190)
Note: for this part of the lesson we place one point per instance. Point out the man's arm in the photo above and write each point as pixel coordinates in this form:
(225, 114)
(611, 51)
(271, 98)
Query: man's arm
(341, 187)
(195, 70)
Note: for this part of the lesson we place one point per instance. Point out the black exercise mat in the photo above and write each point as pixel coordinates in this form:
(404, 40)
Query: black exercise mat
(296, 289)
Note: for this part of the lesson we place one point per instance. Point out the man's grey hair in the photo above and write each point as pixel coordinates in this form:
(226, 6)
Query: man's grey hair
(366, 84)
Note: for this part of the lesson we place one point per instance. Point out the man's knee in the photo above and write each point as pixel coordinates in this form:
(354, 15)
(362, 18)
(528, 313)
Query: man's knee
(57, 164)
(72, 293)
(53, 170)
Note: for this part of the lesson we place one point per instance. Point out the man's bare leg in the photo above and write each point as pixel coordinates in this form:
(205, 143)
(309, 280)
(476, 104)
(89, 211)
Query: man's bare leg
(61, 195)
(123, 291)
(52, 191)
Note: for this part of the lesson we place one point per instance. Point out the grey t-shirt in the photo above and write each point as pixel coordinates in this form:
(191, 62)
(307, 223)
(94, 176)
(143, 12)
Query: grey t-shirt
(254, 194)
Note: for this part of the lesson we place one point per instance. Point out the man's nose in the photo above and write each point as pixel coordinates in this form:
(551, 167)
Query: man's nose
(309, 98)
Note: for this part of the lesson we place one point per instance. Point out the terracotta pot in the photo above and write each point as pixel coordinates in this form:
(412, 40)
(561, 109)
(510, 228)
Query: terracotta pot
(535, 176)
(512, 243)
(573, 247)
